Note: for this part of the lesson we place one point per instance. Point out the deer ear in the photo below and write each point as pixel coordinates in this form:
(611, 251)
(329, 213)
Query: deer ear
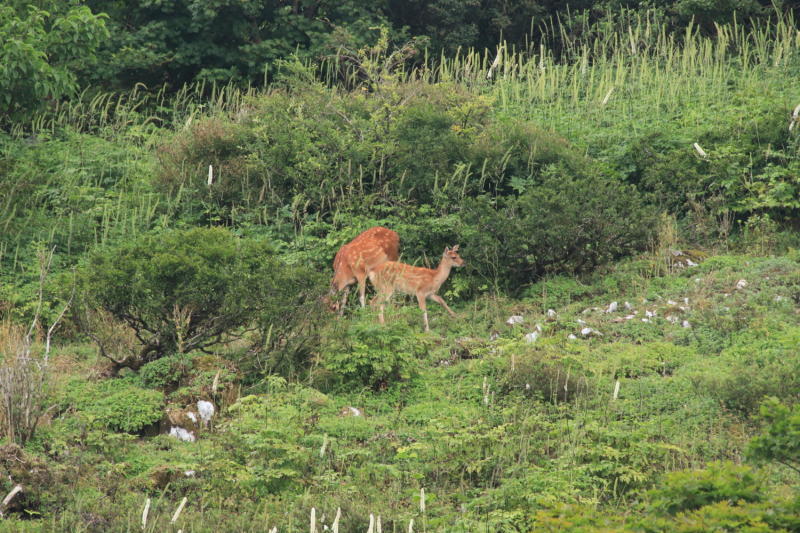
(455, 248)
(446, 249)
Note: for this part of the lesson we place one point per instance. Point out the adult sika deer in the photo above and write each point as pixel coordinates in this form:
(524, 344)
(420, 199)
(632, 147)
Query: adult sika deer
(356, 259)
(420, 282)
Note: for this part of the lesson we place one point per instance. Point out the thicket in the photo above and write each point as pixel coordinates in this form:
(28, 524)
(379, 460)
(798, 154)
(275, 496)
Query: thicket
(191, 40)
(43, 45)
(183, 290)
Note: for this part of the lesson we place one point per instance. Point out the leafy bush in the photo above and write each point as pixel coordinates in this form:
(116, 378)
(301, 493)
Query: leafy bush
(40, 52)
(565, 223)
(781, 440)
(186, 158)
(262, 450)
(524, 200)
(165, 372)
(537, 372)
(115, 403)
(557, 291)
(185, 40)
(718, 482)
(659, 162)
(758, 364)
(639, 360)
(129, 409)
(183, 290)
(373, 355)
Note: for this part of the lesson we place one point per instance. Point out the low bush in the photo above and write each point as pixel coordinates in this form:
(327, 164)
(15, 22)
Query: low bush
(368, 354)
(692, 489)
(165, 372)
(260, 452)
(781, 440)
(639, 360)
(541, 374)
(183, 290)
(756, 365)
(116, 404)
(557, 291)
(565, 223)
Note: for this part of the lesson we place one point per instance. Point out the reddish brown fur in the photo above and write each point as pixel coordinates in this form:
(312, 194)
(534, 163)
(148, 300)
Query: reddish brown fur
(420, 282)
(356, 259)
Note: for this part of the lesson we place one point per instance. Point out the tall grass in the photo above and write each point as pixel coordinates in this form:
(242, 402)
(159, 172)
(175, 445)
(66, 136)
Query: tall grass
(578, 66)
(631, 72)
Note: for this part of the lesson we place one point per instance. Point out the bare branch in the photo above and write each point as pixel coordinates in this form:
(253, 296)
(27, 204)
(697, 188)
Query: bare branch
(45, 261)
(56, 323)
(7, 500)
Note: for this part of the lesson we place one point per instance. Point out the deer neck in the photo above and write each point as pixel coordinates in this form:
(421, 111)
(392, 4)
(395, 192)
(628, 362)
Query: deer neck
(442, 273)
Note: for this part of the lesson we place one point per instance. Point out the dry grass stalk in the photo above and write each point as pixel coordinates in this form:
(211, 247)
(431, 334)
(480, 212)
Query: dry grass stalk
(702, 153)
(498, 60)
(666, 243)
(10, 496)
(324, 446)
(178, 510)
(608, 96)
(215, 383)
(145, 513)
(795, 117)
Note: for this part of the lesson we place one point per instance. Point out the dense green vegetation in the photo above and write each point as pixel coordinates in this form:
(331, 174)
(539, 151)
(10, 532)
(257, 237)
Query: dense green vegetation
(625, 181)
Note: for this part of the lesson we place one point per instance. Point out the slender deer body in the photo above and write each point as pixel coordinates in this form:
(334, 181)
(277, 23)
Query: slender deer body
(420, 282)
(356, 259)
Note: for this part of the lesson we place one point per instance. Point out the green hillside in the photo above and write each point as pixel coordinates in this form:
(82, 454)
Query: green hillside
(624, 190)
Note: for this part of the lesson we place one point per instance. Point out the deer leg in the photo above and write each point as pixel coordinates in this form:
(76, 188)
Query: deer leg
(362, 288)
(380, 312)
(344, 300)
(423, 306)
(439, 299)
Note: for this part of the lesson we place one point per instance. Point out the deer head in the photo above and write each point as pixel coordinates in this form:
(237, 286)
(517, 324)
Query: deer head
(451, 256)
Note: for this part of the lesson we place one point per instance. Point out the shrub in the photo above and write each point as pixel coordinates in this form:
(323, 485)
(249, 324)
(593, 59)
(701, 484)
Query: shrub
(758, 364)
(183, 290)
(115, 403)
(692, 489)
(165, 372)
(639, 360)
(41, 51)
(374, 355)
(262, 450)
(566, 223)
(537, 373)
(23, 379)
(39, 482)
(557, 291)
(128, 409)
(781, 440)
(186, 157)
